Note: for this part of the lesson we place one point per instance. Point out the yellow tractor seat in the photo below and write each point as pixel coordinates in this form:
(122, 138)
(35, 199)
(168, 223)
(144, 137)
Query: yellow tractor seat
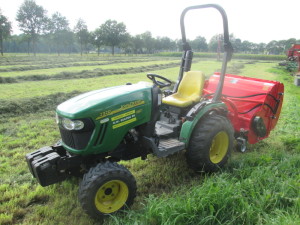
(189, 90)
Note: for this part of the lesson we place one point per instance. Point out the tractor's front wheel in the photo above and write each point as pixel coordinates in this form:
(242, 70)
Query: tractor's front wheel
(210, 144)
(106, 188)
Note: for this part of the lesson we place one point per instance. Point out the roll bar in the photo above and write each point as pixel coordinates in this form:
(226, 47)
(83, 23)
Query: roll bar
(188, 54)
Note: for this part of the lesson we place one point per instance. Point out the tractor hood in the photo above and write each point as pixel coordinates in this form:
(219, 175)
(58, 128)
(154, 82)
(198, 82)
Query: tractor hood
(97, 104)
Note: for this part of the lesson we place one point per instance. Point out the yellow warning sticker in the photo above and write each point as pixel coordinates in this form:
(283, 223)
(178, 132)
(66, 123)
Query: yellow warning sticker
(123, 119)
(124, 123)
(123, 115)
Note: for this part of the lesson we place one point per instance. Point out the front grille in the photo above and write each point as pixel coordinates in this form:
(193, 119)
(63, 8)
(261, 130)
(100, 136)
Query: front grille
(78, 139)
(67, 137)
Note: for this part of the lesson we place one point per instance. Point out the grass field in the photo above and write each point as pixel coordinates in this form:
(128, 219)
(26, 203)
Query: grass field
(261, 186)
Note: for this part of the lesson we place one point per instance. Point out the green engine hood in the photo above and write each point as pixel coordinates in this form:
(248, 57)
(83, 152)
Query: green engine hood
(114, 111)
(97, 104)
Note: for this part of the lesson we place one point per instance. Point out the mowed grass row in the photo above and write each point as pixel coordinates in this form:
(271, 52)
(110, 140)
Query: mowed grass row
(47, 87)
(44, 59)
(73, 69)
(58, 64)
(32, 65)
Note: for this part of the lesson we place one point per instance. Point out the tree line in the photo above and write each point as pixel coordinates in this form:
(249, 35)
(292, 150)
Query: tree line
(49, 34)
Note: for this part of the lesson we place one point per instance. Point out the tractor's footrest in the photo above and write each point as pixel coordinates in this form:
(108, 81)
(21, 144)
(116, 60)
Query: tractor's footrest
(166, 146)
(169, 146)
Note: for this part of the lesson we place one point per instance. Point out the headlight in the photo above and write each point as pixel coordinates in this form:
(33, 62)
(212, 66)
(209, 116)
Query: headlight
(72, 124)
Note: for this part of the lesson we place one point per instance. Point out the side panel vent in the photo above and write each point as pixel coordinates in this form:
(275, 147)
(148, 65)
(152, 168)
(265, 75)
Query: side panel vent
(101, 134)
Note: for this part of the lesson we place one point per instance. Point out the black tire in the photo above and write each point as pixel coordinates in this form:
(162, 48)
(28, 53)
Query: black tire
(210, 144)
(106, 189)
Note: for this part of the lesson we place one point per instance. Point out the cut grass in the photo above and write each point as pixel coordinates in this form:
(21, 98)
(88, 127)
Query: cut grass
(244, 193)
(259, 187)
(86, 73)
(14, 66)
(42, 88)
(53, 71)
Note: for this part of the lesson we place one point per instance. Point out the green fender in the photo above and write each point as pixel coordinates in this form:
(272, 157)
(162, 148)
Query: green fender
(188, 126)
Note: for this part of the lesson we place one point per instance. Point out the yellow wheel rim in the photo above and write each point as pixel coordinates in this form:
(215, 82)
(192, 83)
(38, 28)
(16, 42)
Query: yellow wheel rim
(219, 147)
(111, 196)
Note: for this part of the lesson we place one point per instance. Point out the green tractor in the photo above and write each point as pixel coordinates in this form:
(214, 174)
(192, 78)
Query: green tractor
(102, 127)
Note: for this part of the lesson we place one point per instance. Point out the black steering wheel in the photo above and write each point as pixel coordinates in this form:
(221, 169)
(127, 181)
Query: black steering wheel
(160, 84)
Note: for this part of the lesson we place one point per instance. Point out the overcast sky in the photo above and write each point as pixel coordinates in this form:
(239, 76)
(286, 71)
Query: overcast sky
(253, 20)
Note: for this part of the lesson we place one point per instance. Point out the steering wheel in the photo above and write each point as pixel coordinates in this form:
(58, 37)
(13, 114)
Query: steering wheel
(160, 84)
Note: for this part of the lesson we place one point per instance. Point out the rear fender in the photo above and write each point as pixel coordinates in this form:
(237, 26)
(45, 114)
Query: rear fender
(206, 108)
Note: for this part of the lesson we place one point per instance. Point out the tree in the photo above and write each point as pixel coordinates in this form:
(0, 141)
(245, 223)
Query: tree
(25, 38)
(114, 33)
(127, 45)
(274, 48)
(260, 48)
(98, 38)
(199, 44)
(164, 44)
(290, 42)
(32, 20)
(68, 41)
(58, 25)
(148, 41)
(247, 46)
(179, 44)
(5, 30)
(216, 43)
(82, 34)
(137, 43)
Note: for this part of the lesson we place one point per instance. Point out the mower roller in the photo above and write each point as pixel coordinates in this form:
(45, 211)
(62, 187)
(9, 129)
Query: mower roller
(204, 117)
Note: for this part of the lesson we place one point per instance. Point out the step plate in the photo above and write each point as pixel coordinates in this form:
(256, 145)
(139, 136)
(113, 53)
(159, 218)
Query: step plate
(168, 147)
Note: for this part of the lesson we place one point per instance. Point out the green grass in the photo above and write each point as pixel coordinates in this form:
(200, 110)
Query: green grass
(42, 88)
(48, 65)
(255, 189)
(79, 68)
(258, 187)
(235, 56)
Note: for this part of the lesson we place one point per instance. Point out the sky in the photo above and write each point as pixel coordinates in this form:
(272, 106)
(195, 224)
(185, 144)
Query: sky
(252, 20)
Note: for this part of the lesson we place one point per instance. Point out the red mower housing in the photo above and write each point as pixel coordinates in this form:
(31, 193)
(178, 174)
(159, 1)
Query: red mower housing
(293, 52)
(254, 104)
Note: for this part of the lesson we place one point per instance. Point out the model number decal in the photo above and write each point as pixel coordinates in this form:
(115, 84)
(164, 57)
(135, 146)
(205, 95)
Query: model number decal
(122, 108)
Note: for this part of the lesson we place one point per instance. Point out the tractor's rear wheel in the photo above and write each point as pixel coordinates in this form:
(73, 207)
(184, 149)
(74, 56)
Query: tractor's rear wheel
(106, 188)
(210, 144)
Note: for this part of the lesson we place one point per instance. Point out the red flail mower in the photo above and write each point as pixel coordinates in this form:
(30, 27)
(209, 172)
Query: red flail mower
(293, 53)
(254, 105)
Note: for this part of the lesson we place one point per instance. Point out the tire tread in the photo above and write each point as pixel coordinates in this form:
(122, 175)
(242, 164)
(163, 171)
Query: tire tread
(200, 142)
